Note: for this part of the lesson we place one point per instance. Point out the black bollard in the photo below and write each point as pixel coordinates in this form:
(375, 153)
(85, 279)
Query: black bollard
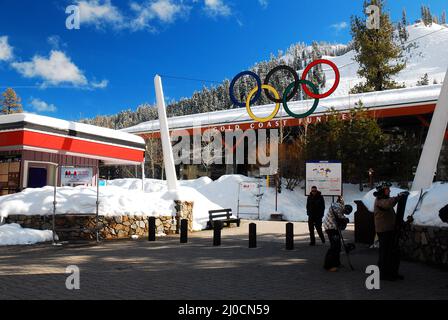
(252, 235)
(184, 231)
(289, 236)
(151, 229)
(217, 226)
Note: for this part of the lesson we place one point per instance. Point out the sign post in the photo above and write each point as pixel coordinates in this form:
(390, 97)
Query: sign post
(326, 176)
(72, 176)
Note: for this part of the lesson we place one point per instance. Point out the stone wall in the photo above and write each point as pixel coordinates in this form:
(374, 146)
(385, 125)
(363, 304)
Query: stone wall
(117, 227)
(426, 244)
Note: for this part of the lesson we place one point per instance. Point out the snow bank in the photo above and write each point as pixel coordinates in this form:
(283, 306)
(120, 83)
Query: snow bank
(14, 234)
(153, 185)
(429, 56)
(428, 214)
(292, 204)
(224, 193)
(113, 201)
(128, 199)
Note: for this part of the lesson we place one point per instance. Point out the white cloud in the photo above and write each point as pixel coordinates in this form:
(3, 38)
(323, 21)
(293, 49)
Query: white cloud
(263, 3)
(339, 26)
(54, 70)
(217, 8)
(99, 85)
(99, 13)
(145, 14)
(41, 106)
(164, 10)
(5, 49)
(55, 42)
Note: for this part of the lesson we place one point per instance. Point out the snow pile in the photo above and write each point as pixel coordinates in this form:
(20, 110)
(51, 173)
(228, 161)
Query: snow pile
(224, 193)
(154, 185)
(14, 234)
(292, 204)
(114, 201)
(126, 197)
(428, 214)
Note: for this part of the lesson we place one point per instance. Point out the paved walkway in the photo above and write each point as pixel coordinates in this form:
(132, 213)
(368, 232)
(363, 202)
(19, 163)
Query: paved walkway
(168, 270)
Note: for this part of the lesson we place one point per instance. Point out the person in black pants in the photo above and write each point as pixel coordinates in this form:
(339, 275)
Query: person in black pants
(332, 222)
(385, 222)
(315, 207)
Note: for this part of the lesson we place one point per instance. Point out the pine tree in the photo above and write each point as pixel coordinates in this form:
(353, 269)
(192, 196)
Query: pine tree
(356, 142)
(443, 17)
(424, 80)
(10, 102)
(376, 52)
(435, 19)
(317, 75)
(426, 15)
(404, 17)
(402, 28)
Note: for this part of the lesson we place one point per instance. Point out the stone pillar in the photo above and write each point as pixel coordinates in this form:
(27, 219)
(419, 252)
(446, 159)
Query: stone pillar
(184, 210)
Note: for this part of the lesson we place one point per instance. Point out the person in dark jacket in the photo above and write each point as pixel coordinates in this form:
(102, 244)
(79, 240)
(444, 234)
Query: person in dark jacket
(315, 209)
(385, 217)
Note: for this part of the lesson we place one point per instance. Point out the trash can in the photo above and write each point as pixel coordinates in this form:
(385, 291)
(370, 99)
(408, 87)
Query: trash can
(364, 224)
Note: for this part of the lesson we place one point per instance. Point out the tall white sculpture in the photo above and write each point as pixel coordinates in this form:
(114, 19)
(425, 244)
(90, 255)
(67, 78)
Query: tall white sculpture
(427, 165)
(168, 157)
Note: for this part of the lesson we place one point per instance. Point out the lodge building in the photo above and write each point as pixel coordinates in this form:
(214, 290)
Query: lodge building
(38, 151)
(396, 110)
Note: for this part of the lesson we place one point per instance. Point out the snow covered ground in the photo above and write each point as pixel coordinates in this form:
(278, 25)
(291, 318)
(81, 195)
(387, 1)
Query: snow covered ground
(224, 193)
(292, 204)
(126, 197)
(14, 234)
(430, 56)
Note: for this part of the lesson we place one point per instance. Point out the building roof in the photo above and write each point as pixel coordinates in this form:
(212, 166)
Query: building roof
(70, 125)
(397, 98)
(34, 132)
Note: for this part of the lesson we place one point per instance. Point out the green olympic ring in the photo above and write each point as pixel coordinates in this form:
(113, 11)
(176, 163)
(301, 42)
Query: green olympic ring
(285, 98)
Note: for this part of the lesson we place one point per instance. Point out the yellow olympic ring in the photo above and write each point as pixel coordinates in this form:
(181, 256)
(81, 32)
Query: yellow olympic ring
(277, 105)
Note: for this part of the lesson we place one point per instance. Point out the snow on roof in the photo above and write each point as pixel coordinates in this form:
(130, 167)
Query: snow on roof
(396, 98)
(69, 125)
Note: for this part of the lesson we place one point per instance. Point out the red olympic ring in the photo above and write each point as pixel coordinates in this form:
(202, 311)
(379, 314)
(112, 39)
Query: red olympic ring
(336, 81)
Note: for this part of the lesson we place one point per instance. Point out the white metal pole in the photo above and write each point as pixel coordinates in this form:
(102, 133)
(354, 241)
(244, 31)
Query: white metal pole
(427, 165)
(143, 175)
(168, 157)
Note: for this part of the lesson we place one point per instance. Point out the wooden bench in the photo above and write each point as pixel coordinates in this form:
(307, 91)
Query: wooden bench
(223, 215)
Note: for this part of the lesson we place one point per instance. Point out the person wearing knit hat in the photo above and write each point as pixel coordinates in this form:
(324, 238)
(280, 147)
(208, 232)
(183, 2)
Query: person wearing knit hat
(385, 217)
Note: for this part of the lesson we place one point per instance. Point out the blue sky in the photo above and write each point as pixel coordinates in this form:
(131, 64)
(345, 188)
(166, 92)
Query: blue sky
(109, 63)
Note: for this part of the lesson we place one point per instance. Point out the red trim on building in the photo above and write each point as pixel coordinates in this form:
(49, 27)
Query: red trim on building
(387, 112)
(68, 144)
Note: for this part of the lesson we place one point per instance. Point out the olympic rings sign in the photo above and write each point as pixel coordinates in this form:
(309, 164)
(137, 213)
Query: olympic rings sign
(272, 94)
